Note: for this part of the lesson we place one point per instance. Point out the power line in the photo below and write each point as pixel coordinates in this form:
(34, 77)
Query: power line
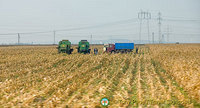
(186, 34)
(9, 34)
(141, 15)
(26, 33)
(98, 35)
(101, 25)
(79, 28)
(180, 19)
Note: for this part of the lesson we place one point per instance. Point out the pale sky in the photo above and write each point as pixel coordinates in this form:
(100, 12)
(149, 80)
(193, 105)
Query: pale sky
(19, 16)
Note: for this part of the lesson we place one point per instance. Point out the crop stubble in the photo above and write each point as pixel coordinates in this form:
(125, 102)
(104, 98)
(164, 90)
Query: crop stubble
(39, 77)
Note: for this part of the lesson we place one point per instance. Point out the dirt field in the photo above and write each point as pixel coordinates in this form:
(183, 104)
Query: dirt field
(159, 76)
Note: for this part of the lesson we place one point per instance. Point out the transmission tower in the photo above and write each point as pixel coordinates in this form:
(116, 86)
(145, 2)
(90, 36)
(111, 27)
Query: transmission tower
(159, 26)
(167, 33)
(144, 15)
(140, 17)
(148, 17)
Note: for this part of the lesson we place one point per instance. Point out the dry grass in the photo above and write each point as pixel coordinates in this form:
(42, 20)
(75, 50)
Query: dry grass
(182, 62)
(40, 77)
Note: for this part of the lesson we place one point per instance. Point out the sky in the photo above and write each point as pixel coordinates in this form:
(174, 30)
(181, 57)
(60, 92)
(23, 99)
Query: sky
(103, 19)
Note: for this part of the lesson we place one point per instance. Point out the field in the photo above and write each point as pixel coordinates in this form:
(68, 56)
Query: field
(158, 76)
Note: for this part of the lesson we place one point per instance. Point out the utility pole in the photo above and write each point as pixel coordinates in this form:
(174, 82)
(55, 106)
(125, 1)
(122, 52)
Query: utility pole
(91, 39)
(159, 25)
(54, 37)
(18, 38)
(163, 38)
(153, 37)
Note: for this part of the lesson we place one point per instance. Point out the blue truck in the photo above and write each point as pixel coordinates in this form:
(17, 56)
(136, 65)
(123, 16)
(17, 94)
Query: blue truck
(119, 47)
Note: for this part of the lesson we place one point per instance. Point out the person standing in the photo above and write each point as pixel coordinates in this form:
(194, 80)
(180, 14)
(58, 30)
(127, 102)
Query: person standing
(104, 49)
(136, 50)
(95, 51)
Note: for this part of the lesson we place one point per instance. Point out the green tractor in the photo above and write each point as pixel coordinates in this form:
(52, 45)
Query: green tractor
(83, 47)
(65, 47)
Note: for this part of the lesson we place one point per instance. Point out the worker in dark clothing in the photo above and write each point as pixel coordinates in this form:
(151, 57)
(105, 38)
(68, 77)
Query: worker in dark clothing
(95, 51)
(136, 50)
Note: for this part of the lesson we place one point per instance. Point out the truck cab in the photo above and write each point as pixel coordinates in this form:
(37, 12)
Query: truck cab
(110, 48)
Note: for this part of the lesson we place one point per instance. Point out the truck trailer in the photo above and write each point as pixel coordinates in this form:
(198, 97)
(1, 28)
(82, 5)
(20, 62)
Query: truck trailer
(119, 47)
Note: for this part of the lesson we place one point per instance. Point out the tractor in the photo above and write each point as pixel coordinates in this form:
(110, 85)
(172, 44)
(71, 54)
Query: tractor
(65, 47)
(84, 47)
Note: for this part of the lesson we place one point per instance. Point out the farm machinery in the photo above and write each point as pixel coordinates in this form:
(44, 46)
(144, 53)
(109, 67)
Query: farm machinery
(119, 47)
(83, 47)
(65, 47)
